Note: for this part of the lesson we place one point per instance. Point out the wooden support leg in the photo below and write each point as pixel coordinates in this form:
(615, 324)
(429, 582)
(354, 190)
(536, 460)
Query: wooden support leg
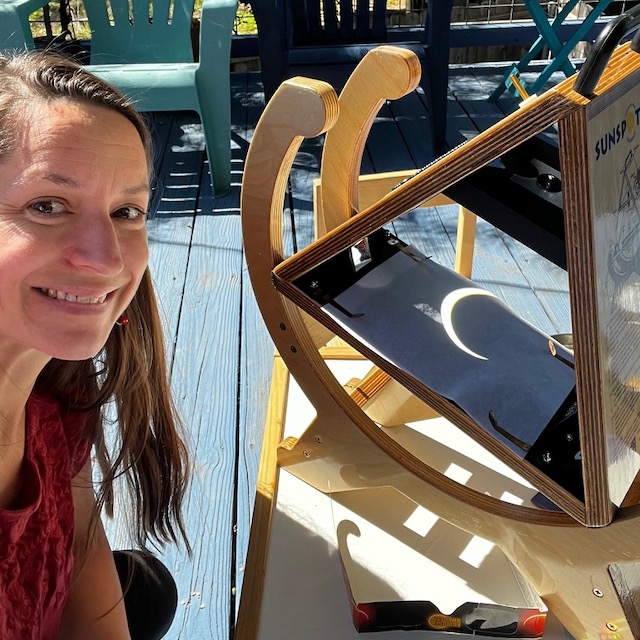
(465, 242)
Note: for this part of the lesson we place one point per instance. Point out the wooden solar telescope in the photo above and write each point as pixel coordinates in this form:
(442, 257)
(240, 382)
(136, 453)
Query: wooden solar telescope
(567, 421)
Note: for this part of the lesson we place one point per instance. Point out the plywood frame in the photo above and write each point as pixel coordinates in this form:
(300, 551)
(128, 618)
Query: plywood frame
(593, 595)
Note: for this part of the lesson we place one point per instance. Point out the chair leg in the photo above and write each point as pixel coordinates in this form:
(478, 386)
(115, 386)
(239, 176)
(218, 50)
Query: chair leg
(436, 82)
(213, 84)
(215, 115)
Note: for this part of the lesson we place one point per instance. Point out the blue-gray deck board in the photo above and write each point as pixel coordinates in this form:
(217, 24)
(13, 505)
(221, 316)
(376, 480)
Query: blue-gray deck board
(219, 347)
(256, 360)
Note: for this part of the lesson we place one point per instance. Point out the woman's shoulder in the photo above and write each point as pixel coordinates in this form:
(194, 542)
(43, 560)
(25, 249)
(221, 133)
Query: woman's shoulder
(61, 426)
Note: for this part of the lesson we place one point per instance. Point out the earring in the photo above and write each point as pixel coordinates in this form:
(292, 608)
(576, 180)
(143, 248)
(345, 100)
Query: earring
(122, 320)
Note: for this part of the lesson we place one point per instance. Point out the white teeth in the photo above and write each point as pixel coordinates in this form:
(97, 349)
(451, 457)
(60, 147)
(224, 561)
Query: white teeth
(70, 297)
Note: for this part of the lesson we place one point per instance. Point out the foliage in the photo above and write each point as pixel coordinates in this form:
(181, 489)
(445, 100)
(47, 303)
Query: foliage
(245, 22)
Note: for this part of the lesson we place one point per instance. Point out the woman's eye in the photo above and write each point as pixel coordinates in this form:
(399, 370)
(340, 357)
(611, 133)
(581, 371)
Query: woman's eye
(129, 213)
(47, 207)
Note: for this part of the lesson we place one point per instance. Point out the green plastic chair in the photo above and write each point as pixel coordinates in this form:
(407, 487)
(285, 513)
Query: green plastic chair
(147, 53)
(14, 23)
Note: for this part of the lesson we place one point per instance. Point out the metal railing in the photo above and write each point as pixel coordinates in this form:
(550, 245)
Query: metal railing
(70, 15)
(490, 11)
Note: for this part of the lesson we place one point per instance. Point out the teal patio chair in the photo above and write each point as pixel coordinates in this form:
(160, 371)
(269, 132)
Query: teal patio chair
(15, 32)
(145, 49)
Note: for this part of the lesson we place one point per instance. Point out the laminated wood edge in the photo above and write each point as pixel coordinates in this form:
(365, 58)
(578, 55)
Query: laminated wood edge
(583, 299)
(265, 502)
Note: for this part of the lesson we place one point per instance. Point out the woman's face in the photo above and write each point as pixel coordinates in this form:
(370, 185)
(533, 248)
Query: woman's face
(73, 244)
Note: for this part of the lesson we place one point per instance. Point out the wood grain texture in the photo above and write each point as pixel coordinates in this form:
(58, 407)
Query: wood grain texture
(266, 493)
(209, 405)
(582, 289)
(459, 162)
(256, 349)
(339, 174)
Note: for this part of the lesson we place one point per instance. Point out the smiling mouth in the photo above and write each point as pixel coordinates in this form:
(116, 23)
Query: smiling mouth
(70, 297)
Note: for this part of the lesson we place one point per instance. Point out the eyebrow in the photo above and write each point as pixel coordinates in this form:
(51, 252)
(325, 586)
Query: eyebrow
(64, 181)
(135, 190)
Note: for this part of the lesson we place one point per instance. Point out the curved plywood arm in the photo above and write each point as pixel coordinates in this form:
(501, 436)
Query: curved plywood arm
(344, 143)
(276, 141)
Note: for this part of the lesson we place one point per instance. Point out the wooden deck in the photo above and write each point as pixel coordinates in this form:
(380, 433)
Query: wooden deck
(221, 354)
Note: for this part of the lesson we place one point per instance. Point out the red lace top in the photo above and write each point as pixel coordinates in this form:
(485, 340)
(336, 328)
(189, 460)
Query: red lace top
(36, 538)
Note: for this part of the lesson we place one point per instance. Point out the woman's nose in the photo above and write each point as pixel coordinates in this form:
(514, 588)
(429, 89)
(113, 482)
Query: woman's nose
(95, 246)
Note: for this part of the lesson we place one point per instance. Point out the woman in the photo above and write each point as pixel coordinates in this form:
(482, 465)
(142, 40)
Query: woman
(78, 328)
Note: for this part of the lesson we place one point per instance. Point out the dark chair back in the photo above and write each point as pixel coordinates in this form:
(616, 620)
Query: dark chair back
(325, 39)
(327, 22)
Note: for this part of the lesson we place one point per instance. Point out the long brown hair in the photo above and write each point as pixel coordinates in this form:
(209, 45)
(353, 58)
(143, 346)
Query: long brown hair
(130, 373)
